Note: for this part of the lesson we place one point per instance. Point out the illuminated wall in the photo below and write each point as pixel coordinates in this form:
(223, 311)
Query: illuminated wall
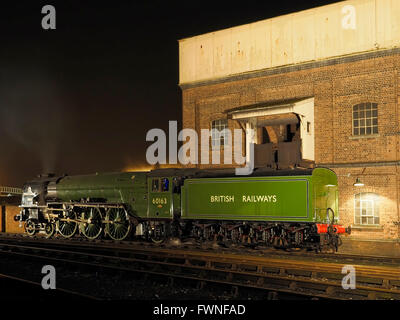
(335, 30)
(306, 43)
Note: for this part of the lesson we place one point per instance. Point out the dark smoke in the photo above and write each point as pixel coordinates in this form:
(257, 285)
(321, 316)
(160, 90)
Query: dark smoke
(32, 112)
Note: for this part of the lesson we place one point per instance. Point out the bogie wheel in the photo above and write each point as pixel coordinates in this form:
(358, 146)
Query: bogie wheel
(157, 240)
(49, 229)
(235, 236)
(92, 225)
(67, 226)
(30, 227)
(267, 237)
(118, 226)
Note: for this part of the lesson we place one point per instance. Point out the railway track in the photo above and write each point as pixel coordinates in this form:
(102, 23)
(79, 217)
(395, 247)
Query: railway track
(284, 273)
(98, 245)
(35, 288)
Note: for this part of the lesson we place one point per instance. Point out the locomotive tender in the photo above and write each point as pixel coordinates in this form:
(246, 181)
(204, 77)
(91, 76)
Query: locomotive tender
(293, 208)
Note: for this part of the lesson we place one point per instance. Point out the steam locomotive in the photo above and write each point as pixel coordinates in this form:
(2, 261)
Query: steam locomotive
(287, 209)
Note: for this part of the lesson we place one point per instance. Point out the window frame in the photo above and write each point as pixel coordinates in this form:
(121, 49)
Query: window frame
(218, 127)
(163, 185)
(153, 180)
(360, 119)
(368, 208)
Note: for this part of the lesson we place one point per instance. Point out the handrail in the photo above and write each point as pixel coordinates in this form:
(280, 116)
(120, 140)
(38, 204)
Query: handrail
(10, 190)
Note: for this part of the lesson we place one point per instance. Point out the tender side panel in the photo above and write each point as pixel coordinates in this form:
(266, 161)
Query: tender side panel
(325, 193)
(254, 199)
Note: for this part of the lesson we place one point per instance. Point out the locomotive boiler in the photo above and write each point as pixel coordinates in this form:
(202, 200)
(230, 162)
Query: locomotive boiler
(286, 209)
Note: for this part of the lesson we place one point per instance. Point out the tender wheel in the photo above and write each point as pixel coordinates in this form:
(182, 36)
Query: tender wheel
(235, 236)
(49, 229)
(92, 226)
(67, 226)
(118, 226)
(30, 227)
(267, 237)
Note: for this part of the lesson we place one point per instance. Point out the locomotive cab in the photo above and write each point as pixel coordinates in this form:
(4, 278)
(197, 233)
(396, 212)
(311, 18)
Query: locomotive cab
(164, 197)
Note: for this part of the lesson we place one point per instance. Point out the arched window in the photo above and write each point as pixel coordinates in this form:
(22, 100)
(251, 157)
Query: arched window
(365, 119)
(366, 208)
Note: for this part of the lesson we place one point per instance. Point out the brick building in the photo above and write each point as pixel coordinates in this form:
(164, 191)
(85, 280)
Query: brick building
(322, 83)
(10, 198)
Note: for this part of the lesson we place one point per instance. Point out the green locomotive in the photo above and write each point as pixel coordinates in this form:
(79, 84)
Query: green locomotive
(294, 208)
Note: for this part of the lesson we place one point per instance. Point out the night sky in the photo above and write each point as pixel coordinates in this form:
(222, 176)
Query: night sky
(81, 98)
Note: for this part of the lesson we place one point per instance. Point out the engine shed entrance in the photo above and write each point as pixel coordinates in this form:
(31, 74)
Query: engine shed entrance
(284, 132)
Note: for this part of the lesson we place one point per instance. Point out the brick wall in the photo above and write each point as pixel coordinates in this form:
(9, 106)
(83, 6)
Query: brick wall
(336, 88)
(11, 226)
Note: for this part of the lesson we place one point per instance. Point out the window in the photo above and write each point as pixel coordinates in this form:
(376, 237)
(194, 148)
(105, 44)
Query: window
(365, 119)
(155, 185)
(366, 209)
(164, 185)
(218, 135)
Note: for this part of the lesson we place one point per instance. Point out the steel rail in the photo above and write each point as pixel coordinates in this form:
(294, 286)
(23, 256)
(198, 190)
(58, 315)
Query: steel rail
(66, 291)
(200, 276)
(232, 266)
(266, 252)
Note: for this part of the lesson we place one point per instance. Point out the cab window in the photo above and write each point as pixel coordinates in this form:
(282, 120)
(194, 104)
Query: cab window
(155, 185)
(164, 185)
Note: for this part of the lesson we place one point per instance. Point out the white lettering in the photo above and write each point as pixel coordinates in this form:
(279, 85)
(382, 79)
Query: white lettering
(349, 21)
(165, 310)
(221, 309)
(222, 199)
(159, 147)
(188, 153)
(49, 20)
(189, 146)
(259, 198)
(349, 281)
(49, 280)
